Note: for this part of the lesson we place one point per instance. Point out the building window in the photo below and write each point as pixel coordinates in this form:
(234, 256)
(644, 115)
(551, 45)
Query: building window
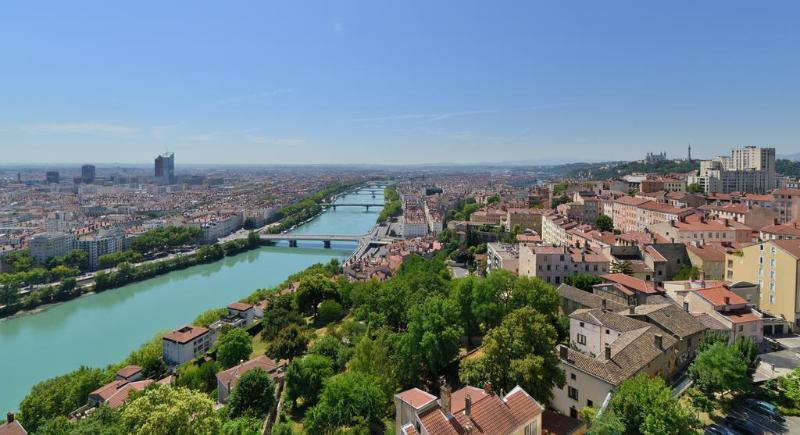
(581, 339)
(589, 403)
(572, 376)
(572, 393)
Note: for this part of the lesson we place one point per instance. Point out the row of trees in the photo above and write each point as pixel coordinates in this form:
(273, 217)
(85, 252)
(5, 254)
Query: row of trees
(300, 211)
(393, 207)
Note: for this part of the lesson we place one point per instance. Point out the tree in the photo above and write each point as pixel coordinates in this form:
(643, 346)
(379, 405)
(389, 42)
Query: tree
(165, 410)
(519, 352)
(694, 188)
(720, 368)
(329, 311)
(645, 405)
(431, 341)
(583, 281)
(371, 357)
(563, 199)
(534, 293)
(149, 357)
(332, 348)
(282, 429)
(234, 347)
(347, 400)
(289, 343)
(253, 395)
(621, 267)
(608, 423)
(604, 223)
(277, 318)
(58, 396)
(210, 316)
(313, 290)
(242, 426)
(461, 293)
(201, 377)
(686, 272)
(789, 386)
(305, 377)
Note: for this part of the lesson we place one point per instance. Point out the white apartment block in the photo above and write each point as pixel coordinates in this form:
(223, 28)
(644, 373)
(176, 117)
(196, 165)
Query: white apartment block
(747, 170)
(185, 344)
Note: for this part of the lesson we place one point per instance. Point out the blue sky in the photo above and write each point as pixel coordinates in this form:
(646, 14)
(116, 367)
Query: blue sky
(395, 82)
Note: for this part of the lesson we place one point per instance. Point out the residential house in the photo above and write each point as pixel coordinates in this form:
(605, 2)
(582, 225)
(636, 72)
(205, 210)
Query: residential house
(12, 426)
(728, 308)
(786, 204)
(608, 349)
(572, 299)
(627, 290)
(698, 230)
(469, 410)
(227, 379)
(789, 230)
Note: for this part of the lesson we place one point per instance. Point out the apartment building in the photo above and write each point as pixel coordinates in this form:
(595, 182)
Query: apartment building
(502, 256)
(789, 230)
(748, 170)
(636, 214)
(699, 230)
(786, 204)
(45, 246)
(552, 264)
(185, 344)
(754, 217)
(773, 267)
(555, 227)
(525, 218)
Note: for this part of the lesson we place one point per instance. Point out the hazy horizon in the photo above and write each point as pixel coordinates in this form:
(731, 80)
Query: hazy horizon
(457, 82)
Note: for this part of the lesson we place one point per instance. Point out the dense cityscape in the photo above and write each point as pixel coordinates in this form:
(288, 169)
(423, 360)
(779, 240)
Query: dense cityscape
(676, 286)
(350, 217)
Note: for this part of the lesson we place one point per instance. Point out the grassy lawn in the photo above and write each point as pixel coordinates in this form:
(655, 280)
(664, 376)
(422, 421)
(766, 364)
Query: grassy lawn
(259, 346)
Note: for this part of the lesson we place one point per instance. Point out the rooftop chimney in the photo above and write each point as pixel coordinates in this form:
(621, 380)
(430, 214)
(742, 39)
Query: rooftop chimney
(658, 340)
(468, 406)
(631, 309)
(487, 386)
(603, 303)
(727, 300)
(686, 307)
(608, 352)
(10, 417)
(562, 353)
(445, 399)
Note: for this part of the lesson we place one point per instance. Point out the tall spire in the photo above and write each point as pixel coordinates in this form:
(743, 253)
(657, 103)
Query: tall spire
(690, 153)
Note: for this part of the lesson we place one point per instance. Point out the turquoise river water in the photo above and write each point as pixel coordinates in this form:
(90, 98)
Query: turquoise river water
(96, 330)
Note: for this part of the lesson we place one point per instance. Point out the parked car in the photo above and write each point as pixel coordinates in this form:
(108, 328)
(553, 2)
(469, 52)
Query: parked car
(765, 408)
(742, 426)
(716, 429)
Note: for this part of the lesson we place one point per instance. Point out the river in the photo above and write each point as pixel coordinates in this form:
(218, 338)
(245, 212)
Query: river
(96, 330)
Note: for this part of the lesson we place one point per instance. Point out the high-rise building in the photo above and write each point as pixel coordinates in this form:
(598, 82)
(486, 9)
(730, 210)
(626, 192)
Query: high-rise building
(165, 168)
(87, 173)
(747, 170)
(52, 177)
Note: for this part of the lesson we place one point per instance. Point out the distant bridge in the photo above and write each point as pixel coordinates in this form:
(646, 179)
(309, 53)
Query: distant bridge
(353, 204)
(326, 239)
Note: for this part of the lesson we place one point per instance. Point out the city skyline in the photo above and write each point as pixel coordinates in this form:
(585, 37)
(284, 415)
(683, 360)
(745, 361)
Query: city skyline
(408, 83)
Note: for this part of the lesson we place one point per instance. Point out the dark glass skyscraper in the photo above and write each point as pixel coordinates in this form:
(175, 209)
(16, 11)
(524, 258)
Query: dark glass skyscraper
(165, 168)
(87, 173)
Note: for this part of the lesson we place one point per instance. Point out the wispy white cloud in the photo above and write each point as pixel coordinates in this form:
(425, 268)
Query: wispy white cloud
(265, 140)
(338, 26)
(80, 128)
(440, 116)
(253, 96)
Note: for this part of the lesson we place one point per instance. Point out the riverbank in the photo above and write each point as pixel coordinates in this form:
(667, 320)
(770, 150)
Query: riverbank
(307, 209)
(103, 328)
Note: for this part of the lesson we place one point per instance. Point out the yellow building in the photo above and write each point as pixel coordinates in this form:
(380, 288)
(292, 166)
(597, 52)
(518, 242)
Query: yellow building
(773, 266)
